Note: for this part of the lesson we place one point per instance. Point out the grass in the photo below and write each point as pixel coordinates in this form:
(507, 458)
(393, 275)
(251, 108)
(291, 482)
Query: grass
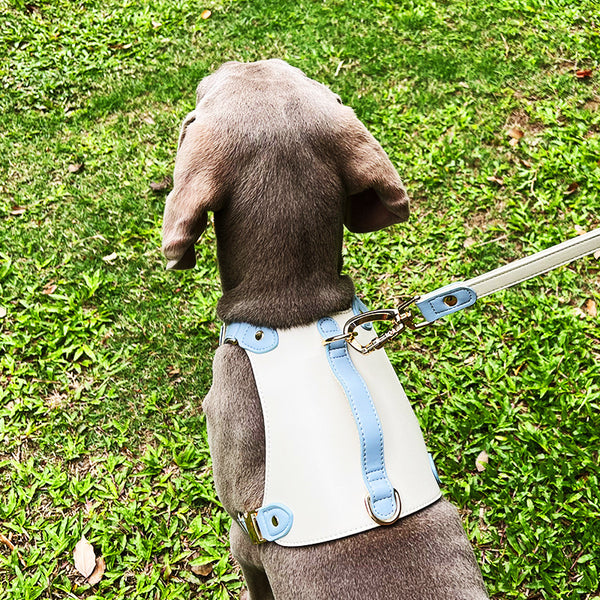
(105, 357)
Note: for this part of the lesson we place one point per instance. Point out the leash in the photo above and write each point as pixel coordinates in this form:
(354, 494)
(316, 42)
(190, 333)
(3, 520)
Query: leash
(458, 296)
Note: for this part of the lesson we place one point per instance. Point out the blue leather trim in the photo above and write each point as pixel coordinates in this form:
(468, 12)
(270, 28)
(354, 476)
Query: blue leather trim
(250, 337)
(380, 489)
(359, 307)
(436, 304)
(275, 521)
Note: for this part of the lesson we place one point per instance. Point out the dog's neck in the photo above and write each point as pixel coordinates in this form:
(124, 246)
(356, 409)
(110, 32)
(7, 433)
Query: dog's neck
(285, 270)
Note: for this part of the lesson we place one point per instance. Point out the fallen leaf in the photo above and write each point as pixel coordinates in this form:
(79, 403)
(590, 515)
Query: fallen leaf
(202, 570)
(156, 24)
(590, 308)
(515, 133)
(49, 288)
(597, 254)
(75, 168)
(17, 210)
(573, 187)
(205, 14)
(495, 179)
(148, 119)
(2, 312)
(481, 461)
(584, 73)
(110, 257)
(163, 185)
(98, 572)
(84, 556)
(469, 242)
(579, 230)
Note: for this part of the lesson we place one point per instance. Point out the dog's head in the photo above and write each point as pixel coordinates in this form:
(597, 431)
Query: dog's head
(284, 165)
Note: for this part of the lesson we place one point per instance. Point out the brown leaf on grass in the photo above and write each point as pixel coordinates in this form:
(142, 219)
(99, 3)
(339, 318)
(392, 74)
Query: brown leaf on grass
(205, 14)
(3, 312)
(590, 308)
(202, 570)
(161, 186)
(84, 557)
(481, 461)
(579, 230)
(17, 210)
(495, 179)
(515, 133)
(584, 73)
(49, 288)
(573, 187)
(75, 168)
(98, 572)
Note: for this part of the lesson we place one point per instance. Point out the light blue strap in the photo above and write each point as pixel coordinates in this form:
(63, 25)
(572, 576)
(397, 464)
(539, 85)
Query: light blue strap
(381, 492)
(445, 301)
(250, 337)
(275, 521)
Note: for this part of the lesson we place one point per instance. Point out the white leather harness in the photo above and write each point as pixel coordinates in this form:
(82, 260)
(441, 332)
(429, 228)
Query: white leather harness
(341, 456)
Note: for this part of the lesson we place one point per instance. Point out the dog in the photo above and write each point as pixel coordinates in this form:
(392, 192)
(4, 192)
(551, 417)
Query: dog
(284, 165)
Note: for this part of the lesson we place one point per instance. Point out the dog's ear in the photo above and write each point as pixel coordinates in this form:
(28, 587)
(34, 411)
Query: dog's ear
(196, 190)
(376, 197)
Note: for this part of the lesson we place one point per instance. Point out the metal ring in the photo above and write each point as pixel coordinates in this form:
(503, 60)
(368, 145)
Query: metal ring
(393, 518)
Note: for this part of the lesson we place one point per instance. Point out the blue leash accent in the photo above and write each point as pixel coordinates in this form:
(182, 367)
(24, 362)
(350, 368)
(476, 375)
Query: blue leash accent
(382, 496)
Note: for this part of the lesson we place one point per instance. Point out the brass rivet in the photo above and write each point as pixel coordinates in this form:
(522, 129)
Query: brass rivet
(258, 335)
(450, 300)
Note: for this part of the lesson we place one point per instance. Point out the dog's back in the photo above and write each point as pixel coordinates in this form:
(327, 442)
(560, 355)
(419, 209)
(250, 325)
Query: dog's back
(284, 166)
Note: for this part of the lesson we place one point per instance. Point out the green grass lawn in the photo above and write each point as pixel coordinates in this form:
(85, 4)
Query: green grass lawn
(105, 357)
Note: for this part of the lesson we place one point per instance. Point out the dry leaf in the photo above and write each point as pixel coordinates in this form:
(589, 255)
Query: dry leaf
(98, 572)
(17, 210)
(148, 119)
(75, 168)
(156, 24)
(515, 134)
(597, 254)
(481, 461)
(205, 14)
(579, 230)
(573, 187)
(84, 556)
(2, 312)
(469, 242)
(584, 73)
(49, 288)
(202, 570)
(495, 179)
(590, 308)
(110, 257)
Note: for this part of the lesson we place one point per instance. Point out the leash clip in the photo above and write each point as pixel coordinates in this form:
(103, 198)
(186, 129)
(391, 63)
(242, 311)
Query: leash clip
(402, 318)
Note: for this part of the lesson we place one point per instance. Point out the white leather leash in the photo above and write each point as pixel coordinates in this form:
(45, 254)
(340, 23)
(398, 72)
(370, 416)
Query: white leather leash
(457, 296)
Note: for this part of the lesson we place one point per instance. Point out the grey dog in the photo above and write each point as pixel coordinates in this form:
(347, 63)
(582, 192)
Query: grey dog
(284, 165)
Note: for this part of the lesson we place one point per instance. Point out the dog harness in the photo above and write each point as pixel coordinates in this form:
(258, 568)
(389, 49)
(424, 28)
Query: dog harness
(344, 450)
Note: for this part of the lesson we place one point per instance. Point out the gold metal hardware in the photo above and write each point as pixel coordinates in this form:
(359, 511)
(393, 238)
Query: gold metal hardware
(393, 518)
(249, 524)
(450, 300)
(402, 318)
